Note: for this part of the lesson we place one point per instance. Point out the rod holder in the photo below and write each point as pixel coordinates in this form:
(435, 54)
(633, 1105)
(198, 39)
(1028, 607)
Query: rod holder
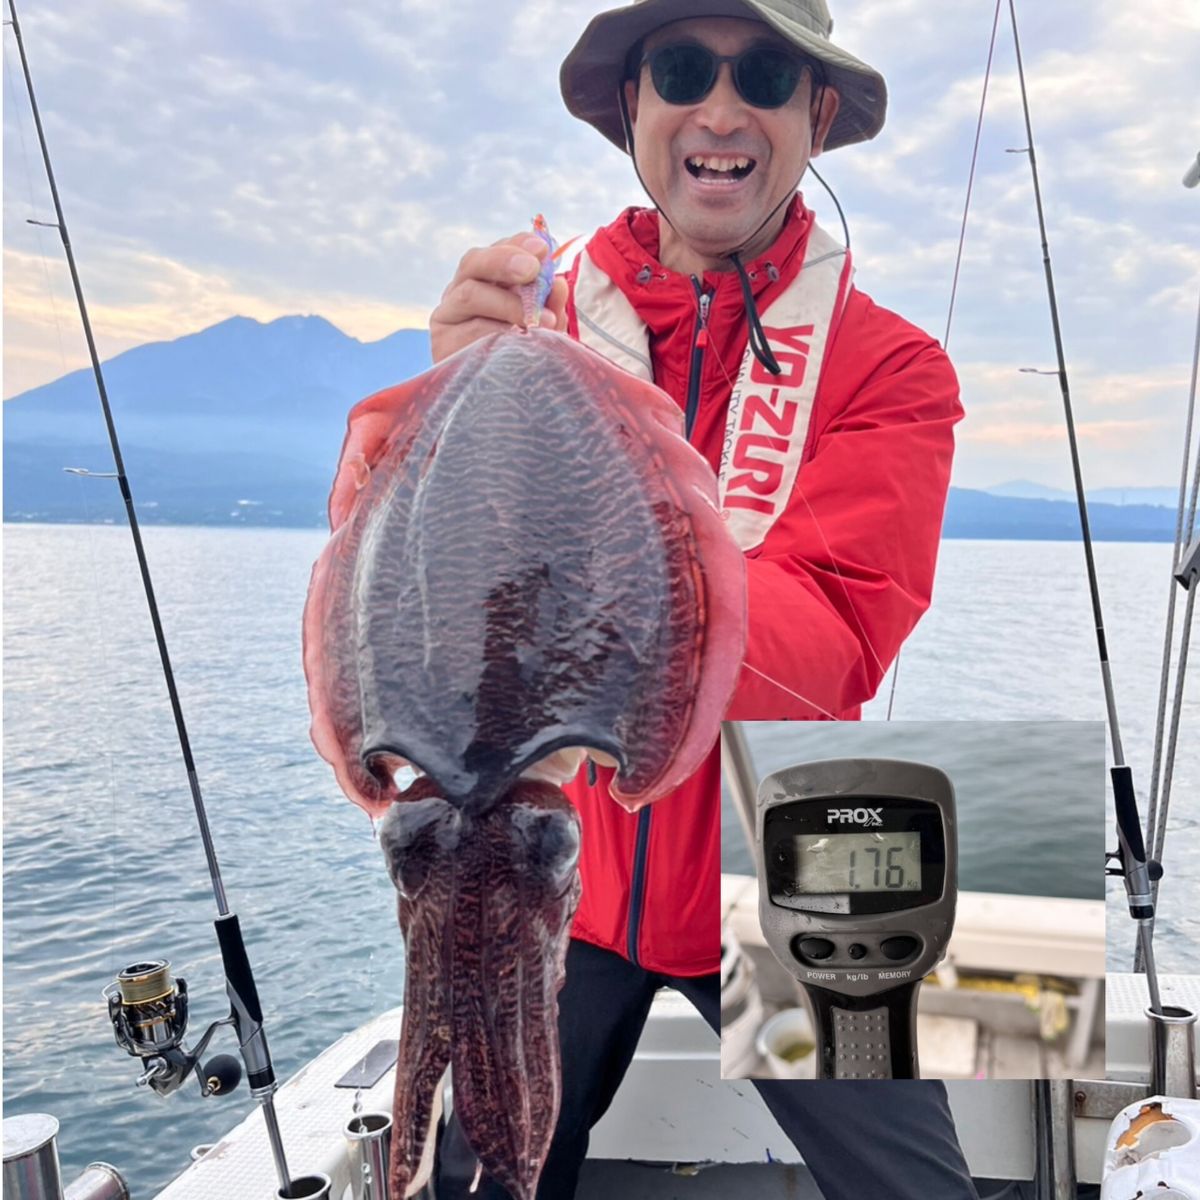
(306, 1187)
(370, 1137)
(1172, 1052)
(1054, 1139)
(31, 1170)
(100, 1181)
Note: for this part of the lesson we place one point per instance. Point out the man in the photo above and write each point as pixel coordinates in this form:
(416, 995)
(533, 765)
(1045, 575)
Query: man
(828, 422)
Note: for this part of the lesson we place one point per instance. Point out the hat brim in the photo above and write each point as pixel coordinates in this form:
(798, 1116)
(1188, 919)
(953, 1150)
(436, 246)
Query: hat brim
(593, 71)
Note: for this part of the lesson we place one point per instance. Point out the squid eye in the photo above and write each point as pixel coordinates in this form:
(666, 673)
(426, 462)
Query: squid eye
(416, 837)
(548, 844)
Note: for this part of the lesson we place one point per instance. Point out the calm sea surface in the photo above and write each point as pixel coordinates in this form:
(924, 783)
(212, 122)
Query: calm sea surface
(103, 865)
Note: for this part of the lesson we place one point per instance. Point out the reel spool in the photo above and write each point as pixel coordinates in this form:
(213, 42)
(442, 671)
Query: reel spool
(148, 1009)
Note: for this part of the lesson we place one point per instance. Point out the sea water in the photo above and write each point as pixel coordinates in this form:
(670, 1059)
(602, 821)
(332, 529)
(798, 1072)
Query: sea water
(103, 864)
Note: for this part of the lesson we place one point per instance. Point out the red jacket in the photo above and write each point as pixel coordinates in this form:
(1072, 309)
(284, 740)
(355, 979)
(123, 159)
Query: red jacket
(835, 587)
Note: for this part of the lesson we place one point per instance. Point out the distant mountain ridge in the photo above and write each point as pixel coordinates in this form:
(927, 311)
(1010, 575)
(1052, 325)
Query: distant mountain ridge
(1026, 489)
(977, 514)
(241, 411)
(242, 423)
(290, 381)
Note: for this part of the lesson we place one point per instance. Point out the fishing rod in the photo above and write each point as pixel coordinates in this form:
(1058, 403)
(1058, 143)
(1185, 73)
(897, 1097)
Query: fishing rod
(1185, 573)
(1130, 856)
(147, 1007)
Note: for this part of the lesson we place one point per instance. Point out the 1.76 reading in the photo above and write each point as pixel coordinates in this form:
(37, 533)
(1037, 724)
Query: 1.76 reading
(892, 871)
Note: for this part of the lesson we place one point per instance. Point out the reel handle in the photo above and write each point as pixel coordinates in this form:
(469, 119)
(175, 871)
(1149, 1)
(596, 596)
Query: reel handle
(220, 1075)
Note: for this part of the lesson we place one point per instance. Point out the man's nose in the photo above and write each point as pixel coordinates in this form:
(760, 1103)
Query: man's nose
(723, 111)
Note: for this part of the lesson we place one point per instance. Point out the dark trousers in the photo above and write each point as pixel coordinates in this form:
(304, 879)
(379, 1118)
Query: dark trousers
(861, 1140)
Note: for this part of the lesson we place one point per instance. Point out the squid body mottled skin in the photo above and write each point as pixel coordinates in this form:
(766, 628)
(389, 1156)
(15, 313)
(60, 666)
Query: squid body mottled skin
(526, 563)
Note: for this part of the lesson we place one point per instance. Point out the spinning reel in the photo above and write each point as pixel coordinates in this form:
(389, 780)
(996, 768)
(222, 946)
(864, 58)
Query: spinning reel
(149, 1013)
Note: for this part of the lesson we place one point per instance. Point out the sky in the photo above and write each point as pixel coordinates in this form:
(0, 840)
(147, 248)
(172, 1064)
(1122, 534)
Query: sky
(285, 157)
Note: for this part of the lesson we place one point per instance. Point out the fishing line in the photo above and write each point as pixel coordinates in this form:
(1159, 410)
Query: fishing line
(1181, 541)
(845, 591)
(962, 237)
(833, 565)
(1131, 852)
(1156, 817)
(962, 233)
(245, 1012)
(760, 348)
(784, 688)
(97, 610)
(43, 256)
(106, 706)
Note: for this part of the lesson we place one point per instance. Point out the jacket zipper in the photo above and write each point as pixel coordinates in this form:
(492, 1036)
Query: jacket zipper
(641, 847)
(699, 343)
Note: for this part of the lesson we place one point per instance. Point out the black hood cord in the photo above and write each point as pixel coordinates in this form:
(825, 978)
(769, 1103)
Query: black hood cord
(758, 339)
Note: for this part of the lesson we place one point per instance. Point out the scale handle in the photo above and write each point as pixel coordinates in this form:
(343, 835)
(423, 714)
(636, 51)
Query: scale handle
(866, 1037)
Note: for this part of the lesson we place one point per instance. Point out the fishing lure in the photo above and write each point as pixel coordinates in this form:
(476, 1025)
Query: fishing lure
(533, 295)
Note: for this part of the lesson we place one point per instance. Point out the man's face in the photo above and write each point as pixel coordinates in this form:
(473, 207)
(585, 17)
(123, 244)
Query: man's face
(713, 211)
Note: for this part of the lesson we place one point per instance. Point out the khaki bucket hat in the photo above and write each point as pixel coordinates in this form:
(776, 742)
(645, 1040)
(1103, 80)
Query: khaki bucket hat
(594, 70)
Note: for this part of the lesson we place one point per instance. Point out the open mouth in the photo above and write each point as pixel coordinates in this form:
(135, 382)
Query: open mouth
(719, 168)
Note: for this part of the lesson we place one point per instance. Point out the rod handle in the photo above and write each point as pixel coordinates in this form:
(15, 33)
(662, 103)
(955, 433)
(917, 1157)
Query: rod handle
(246, 1009)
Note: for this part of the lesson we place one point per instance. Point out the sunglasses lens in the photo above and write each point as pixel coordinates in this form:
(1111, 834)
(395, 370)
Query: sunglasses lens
(767, 78)
(682, 74)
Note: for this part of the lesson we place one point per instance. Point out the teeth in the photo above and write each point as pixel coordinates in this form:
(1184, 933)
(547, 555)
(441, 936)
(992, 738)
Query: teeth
(715, 163)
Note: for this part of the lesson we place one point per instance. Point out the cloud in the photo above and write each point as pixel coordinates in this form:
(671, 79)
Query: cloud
(149, 299)
(1104, 433)
(284, 156)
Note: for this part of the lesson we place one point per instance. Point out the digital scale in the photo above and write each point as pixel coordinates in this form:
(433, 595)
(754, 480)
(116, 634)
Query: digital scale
(858, 880)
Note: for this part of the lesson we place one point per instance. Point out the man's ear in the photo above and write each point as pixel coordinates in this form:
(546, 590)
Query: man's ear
(631, 98)
(823, 117)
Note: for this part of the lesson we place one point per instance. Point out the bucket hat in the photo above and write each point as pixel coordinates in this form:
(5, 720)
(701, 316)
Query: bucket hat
(595, 68)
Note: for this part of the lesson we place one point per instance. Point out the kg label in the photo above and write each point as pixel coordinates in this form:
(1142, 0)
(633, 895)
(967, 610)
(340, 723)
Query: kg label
(854, 816)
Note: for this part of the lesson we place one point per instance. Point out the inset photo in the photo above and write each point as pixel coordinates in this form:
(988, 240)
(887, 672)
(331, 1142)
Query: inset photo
(912, 900)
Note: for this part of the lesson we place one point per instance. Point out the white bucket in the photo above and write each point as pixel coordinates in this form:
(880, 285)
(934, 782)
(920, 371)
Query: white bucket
(787, 1044)
(741, 1011)
(1153, 1149)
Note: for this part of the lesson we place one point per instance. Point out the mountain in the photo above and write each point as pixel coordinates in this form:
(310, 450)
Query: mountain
(972, 514)
(1164, 497)
(1026, 489)
(242, 423)
(280, 388)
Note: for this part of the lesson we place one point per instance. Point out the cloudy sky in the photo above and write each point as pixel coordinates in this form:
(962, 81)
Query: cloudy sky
(288, 156)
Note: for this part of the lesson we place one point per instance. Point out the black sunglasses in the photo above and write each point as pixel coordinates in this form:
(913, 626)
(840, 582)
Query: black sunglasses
(765, 77)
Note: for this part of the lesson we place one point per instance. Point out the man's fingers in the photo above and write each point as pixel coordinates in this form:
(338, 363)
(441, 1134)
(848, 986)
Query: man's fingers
(483, 296)
(471, 298)
(514, 261)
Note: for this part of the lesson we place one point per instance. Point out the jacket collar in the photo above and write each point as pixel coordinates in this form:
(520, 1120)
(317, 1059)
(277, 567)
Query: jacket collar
(634, 239)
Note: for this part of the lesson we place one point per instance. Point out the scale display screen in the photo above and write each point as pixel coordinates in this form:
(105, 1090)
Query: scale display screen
(827, 863)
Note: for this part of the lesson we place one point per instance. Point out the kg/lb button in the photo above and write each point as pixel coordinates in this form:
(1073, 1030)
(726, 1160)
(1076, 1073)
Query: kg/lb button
(899, 948)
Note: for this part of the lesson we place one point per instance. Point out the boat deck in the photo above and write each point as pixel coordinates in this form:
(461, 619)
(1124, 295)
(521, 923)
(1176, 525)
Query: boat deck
(671, 1109)
(675, 1129)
